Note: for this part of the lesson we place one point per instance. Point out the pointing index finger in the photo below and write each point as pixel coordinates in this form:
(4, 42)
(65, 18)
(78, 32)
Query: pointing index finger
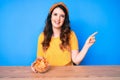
(94, 33)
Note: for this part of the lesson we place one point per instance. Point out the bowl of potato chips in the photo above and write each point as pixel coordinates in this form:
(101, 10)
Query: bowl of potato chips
(40, 65)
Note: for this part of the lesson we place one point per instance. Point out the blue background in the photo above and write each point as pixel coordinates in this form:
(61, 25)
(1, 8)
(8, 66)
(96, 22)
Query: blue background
(21, 22)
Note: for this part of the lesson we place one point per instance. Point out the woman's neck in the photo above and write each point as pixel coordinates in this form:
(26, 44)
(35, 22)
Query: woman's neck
(56, 32)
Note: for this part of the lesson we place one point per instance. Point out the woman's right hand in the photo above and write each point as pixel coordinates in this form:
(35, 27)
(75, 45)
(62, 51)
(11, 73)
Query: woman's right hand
(32, 67)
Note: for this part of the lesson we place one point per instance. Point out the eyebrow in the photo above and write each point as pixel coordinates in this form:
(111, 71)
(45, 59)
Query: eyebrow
(57, 13)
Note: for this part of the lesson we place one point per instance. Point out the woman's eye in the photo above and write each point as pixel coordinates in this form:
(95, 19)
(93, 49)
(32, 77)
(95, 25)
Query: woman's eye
(55, 14)
(63, 16)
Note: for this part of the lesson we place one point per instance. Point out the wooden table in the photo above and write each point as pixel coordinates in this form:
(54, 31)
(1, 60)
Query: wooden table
(61, 73)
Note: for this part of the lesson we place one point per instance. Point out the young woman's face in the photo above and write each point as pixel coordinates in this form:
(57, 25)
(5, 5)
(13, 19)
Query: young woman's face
(57, 18)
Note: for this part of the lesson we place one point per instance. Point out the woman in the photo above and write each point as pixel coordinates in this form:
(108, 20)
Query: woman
(58, 43)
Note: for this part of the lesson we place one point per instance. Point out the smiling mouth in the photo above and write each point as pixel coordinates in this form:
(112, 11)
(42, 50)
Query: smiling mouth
(57, 22)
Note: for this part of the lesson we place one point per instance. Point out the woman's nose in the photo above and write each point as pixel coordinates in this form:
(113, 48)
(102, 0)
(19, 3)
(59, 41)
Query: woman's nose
(58, 17)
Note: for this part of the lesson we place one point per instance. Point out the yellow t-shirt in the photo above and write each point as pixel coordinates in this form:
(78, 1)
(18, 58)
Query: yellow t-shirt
(54, 55)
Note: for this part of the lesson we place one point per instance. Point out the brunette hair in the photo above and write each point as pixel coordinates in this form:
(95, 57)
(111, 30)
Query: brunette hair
(65, 29)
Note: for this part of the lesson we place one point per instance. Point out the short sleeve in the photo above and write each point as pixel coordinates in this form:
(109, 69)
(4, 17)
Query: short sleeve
(73, 41)
(39, 47)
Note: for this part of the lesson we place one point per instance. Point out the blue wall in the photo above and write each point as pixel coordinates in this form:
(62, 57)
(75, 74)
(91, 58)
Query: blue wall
(21, 22)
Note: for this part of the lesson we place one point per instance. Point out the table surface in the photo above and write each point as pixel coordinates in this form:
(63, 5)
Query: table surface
(61, 73)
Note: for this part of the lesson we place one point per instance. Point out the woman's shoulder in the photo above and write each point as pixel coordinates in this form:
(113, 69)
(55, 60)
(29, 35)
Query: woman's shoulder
(41, 35)
(72, 33)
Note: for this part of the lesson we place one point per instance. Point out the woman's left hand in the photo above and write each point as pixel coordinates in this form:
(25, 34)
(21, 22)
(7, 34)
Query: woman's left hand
(91, 40)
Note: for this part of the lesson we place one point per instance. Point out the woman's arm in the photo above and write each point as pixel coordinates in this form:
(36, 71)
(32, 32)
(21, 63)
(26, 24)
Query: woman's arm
(77, 56)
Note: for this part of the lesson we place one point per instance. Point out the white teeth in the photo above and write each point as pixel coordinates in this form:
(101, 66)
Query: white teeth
(57, 22)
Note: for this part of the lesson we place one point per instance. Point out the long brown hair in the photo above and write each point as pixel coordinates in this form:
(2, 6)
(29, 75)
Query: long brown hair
(65, 30)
